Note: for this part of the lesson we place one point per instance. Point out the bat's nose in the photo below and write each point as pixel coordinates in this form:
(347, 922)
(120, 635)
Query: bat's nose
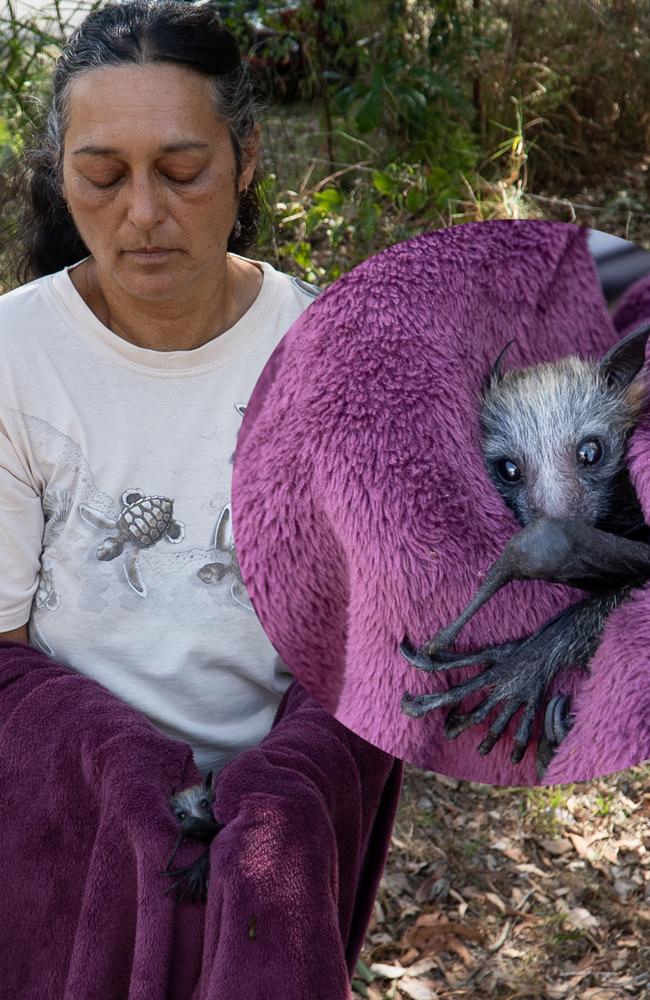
(542, 544)
(199, 829)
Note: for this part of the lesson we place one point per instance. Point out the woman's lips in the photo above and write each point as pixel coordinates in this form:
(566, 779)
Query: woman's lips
(151, 256)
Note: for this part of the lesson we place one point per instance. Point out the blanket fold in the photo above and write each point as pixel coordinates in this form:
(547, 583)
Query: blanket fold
(362, 507)
(87, 830)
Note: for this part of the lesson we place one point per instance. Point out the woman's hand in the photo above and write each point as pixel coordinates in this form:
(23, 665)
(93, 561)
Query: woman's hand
(16, 635)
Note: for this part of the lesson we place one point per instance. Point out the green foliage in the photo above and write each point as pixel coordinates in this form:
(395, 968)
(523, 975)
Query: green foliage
(29, 43)
(420, 114)
(543, 808)
(405, 86)
(603, 804)
(23, 65)
(363, 977)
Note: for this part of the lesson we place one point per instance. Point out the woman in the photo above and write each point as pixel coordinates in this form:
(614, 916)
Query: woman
(124, 392)
(127, 365)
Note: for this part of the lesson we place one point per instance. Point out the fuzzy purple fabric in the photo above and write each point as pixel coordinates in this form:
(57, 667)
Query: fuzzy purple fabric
(363, 512)
(87, 829)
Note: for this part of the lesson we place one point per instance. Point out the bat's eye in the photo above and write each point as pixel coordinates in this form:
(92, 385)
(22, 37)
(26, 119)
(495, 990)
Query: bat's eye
(204, 804)
(590, 452)
(180, 815)
(508, 470)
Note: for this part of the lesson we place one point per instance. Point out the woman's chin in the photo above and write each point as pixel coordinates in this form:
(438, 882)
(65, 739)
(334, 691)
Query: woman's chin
(155, 277)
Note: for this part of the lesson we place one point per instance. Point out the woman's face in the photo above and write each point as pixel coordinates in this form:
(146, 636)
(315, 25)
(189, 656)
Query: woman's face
(149, 175)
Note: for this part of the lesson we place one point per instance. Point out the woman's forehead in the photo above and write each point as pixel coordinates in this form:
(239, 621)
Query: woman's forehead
(158, 103)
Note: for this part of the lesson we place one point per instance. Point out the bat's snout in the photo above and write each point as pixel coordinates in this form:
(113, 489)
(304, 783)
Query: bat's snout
(195, 828)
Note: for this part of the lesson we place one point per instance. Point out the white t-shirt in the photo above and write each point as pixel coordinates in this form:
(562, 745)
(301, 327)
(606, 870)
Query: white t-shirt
(115, 527)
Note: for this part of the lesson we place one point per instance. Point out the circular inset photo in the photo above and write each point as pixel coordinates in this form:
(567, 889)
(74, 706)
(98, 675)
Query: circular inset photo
(441, 499)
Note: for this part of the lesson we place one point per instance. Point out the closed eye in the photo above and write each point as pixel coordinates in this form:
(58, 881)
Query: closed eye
(113, 183)
(105, 186)
(179, 180)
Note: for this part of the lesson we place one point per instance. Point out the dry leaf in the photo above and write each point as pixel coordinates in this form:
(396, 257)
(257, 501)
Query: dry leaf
(628, 844)
(581, 919)
(419, 968)
(557, 847)
(583, 845)
(387, 971)
(418, 989)
(509, 850)
(431, 889)
(496, 901)
(557, 991)
(528, 869)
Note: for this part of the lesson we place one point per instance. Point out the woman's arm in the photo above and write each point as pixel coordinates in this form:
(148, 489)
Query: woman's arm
(16, 635)
(21, 525)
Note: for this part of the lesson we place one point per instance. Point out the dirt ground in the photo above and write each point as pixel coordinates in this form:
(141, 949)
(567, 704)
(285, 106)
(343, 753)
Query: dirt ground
(514, 894)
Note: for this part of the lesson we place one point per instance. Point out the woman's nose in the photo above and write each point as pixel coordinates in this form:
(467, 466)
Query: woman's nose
(145, 203)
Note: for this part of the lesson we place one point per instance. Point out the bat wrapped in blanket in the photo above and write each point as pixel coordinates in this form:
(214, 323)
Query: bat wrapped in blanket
(192, 808)
(554, 440)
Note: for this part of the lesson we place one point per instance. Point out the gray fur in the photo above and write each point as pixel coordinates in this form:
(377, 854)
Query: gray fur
(196, 801)
(538, 417)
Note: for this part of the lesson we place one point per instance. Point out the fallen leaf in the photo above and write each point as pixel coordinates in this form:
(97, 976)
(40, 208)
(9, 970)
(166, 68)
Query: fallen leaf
(581, 919)
(418, 989)
(419, 968)
(628, 844)
(557, 847)
(528, 869)
(387, 971)
(432, 889)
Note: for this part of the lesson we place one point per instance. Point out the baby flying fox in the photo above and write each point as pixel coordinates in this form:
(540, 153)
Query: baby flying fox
(554, 439)
(193, 810)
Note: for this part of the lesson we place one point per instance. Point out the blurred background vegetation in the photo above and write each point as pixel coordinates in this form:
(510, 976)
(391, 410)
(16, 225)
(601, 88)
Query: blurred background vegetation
(383, 120)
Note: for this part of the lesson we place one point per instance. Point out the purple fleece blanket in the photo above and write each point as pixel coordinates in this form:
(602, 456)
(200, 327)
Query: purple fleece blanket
(363, 512)
(86, 830)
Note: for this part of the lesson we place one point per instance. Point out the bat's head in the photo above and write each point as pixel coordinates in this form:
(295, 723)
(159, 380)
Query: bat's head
(555, 434)
(192, 808)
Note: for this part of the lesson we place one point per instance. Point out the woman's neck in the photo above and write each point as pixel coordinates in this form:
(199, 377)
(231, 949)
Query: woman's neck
(182, 323)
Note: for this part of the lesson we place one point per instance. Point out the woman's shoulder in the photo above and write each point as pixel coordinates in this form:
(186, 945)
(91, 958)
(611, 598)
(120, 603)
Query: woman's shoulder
(305, 289)
(292, 285)
(23, 309)
(286, 288)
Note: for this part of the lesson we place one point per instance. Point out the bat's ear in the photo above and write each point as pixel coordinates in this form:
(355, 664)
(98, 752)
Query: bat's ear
(207, 783)
(625, 359)
(495, 371)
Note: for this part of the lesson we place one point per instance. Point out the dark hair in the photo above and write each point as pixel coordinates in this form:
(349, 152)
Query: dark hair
(141, 32)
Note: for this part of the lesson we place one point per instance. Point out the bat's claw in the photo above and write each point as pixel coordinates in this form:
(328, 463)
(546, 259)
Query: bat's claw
(558, 720)
(558, 723)
(442, 640)
(516, 676)
(415, 705)
(455, 724)
(420, 658)
(192, 881)
(416, 657)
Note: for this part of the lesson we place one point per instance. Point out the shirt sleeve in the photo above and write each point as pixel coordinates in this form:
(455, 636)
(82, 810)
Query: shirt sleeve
(21, 537)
